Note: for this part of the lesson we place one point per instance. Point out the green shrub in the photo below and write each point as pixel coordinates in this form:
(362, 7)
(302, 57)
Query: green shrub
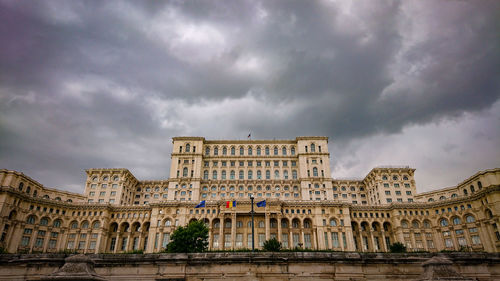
(272, 245)
(397, 247)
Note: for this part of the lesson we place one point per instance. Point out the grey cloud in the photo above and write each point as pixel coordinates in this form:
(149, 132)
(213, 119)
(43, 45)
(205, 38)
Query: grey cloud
(347, 76)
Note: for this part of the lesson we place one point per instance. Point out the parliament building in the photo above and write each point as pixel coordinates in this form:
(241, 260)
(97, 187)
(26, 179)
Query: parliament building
(304, 206)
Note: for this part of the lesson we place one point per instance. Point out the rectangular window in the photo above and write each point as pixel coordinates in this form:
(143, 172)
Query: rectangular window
(216, 241)
(295, 240)
(71, 245)
(25, 241)
(166, 240)
(448, 243)
(326, 238)
(227, 240)
(92, 245)
(249, 241)
(81, 245)
(335, 240)
(262, 238)
(113, 244)
(239, 240)
(475, 240)
(284, 240)
(344, 240)
(124, 243)
(52, 244)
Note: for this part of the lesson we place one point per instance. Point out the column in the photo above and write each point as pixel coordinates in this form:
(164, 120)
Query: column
(117, 243)
(87, 241)
(233, 231)
(33, 238)
(290, 239)
(221, 233)
(268, 227)
(99, 241)
(279, 228)
(315, 239)
(372, 238)
(350, 241)
(46, 240)
(15, 237)
(382, 243)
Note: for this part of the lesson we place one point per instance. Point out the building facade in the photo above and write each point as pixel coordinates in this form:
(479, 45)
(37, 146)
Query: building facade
(305, 206)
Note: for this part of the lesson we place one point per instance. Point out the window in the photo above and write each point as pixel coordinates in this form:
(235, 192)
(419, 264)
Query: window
(443, 222)
(242, 152)
(224, 150)
(456, 220)
(223, 176)
(205, 175)
(214, 175)
(216, 151)
(470, 219)
(267, 150)
(232, 175)
(258, 150)
(233, 150)
(275, 150)
(292, 151)
(250, 151)
(241, 174)
(207, 151)
(276, 174)
(313, 147)
(268, 175)
(315, 172)
(185, 172)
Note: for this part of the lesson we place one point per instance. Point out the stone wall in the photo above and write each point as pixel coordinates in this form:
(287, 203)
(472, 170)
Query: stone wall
(258, 266)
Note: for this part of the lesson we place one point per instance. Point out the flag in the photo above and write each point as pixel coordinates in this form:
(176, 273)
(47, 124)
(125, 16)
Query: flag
(261, 203)
(230, 204)
(202, 204)
(249, 135)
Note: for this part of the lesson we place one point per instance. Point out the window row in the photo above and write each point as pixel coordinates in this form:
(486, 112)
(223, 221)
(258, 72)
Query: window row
(250, 150)
(249, 175)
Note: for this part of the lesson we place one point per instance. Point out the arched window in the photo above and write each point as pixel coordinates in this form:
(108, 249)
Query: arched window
(443, 222)
(74, 225)
(292, 150)
(205, 175)
(268, 175)
(315, 172)
(430, 200)
(44, 221)
(250, 151)
(185, 172)
(188, 147)
(283, 151)
(35, 193)
(233, 150)
(427, 224)
(442, 197)
(258, 150)
(333, 222)
(57, 223)
(472, 189)
(470, 218)
(45, 196)
(224, 150)
(307, 224)
(250, 175)
(275, 150)
(223, 175)
(232, 175)
(454, 195)
(214, 175)
(456, 220)
(216, 151)
(294, 174)
(28, 189)
(415, 224)
(31, 220)
(262, 224)
(207, 150)
(241, 175)
(285, 174)
(276, 174)
(58, 198)
(479, 185)
(21, 185)
(227, 223)
(295, 223)
(242, 151)
(465, 192)
(259, 175)
(267, 150)
(404, 224)
(85, 224)
(168, 222)
(97, 224)
(313, 147)
(384, 177)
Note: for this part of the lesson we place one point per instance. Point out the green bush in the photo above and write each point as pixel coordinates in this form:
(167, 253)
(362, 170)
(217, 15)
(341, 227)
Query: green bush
(272, 245)
(190, 239)
(397, 247)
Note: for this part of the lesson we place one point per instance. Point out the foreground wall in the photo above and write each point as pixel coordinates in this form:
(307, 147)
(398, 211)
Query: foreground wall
(260, 266)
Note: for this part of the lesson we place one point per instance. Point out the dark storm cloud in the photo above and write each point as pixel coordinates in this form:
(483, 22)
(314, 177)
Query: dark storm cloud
(107, 84)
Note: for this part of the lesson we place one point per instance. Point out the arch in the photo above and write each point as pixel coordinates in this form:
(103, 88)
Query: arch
(224, 150)
(206, 221)
(443, 222)
(31, 219)
(404, 224)
(415, 224)
(250, 150)
(354, 226)
(28, 189)
(20, 187)
(295, 223)
(427, 223)
(228, 223)
(266, 150)
(113, 227)
(387, 226)
(73, 225)
(315, 172)
(69, 201)
(259, 150)
(124, 227)
(96, 224)
(192, 220)
(375, 226)
(472, 189)
(313, 147)
(456, 220)
(442, 197)
(292, 150)
(283, 150)
(470, 218)
(333, 222)
(167, 222)
(233, 150)
(188, 147)
(46, 196)
(58, 198)
(44, 221)
(479, 185)
(273, 223)
(242, 150)
(364, 226)
(454, 195)
(284, 223)
(57, 223)
(145, 227)
(85, 224)
(275, 150)
(307, 223)
(136, 227)
(35, 193)
(430, 200)
(207, 150)
(465, 191)
(216, 223)
(216, 150)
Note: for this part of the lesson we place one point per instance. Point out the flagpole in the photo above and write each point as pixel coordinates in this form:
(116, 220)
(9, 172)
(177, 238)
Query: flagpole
(253, 238)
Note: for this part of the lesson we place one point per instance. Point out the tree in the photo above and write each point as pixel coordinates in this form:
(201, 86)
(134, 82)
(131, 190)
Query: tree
(190, 239)
(397, 247)
(272, 245)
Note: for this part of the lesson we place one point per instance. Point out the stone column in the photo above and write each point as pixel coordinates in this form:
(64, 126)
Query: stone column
(268, 227)
(99, 241)
(233, 231)
(279, 228)
(87, 241)
(382, 243)
(372, 239)
(15, 237)
(33, 238)
(221, 233)
(349, 236)
(117, 243)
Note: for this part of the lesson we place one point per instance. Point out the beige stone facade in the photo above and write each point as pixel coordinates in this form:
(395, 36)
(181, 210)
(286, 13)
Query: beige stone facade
(305, 206)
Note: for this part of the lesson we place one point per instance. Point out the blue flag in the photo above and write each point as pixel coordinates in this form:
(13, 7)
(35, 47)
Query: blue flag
(202, 204)
(261, 203)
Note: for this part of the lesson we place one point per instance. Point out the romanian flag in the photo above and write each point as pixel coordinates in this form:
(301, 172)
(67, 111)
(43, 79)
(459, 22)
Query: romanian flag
(230, 204)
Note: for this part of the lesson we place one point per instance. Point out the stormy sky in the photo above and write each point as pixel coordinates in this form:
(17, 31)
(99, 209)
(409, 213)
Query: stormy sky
(87, 84)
